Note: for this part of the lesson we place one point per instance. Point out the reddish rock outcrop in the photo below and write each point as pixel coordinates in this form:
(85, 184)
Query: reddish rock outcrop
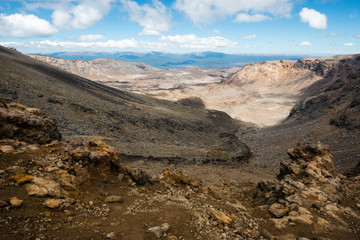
(26, 124)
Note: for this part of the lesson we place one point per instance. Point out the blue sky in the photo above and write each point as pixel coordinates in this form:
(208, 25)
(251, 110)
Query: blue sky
(318, 27)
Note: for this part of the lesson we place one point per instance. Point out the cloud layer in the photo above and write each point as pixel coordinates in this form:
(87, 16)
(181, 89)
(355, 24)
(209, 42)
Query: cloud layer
(25, 26)
(163, 43)
(155, 20)
(206, 11)
(305, 43)
(314, 18)
(87, 38)
(83, 15)
(244, 17)
(192, 41)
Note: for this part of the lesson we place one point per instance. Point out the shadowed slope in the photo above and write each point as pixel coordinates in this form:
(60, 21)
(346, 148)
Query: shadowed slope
(139, 125)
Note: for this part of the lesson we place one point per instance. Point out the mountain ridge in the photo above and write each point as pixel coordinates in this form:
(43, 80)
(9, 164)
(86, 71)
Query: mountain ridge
(179, 60)
(139, 125)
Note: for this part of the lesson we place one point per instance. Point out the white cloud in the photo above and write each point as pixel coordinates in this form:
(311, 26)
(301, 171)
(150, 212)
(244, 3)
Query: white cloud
(87, 38)
(25, 26)
(83, 15)
(192, 41)
(206, 11)
(349, 44)
(357, 35)
(155, 20)
(244, 17)
(216, 31)
(305, 43)
(71, 45)
(163, 44)
(251, 36)
(314, 18)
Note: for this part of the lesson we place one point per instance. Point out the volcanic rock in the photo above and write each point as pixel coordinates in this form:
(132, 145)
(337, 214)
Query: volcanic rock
(27, 124)
(113, 199)
(15, 202)
(52, 203)
(138, 175)
(279, 210)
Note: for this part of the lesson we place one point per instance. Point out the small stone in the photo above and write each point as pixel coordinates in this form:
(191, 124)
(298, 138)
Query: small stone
(52, 203)
(113, 199)
(165, 227)
(15, 202)
(32, 147)
(238, 205)
(294, 199)
(15, 169)
(278, 210)
(111, 235)
(314, 205)
(342, 177)
(120, 177)
(138, 175)
(157, 231)
(221, 216)
(265, 233)
(6, 149)
(172, 238)
(91, 203)
(21, 178)
(42, 187)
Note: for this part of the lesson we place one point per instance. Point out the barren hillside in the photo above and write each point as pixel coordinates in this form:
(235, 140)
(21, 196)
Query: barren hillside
(53, 189)
(136, 77)
(138, 125)
(264, 93)
(97, 69)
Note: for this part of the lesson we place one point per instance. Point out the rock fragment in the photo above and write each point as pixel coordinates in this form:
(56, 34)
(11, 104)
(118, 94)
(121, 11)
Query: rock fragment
(52, 203)
(21, 178)
(157, 231)
(139, 176)
(111, 235)
(278, 210)
(114, 199)
(15, 202)
(220, 216)
(42, 187)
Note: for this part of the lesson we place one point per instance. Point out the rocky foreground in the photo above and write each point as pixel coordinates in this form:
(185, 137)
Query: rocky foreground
(80, 189)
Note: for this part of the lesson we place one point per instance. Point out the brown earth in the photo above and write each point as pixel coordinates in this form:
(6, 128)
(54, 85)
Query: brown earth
(220, 198)
(82, 190)
(138, 125)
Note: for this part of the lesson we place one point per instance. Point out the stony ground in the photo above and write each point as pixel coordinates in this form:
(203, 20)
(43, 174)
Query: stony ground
(84, 189)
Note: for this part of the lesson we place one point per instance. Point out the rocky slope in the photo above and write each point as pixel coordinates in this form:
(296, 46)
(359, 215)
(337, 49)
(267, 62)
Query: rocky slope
(331, 115)
(96, 69)
(272, 88)
(137, 125)
(136, 77)
(340, 101)
(82, 189)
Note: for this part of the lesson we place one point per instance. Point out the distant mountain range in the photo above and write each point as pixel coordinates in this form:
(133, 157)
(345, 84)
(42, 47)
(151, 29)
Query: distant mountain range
(171, 60)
